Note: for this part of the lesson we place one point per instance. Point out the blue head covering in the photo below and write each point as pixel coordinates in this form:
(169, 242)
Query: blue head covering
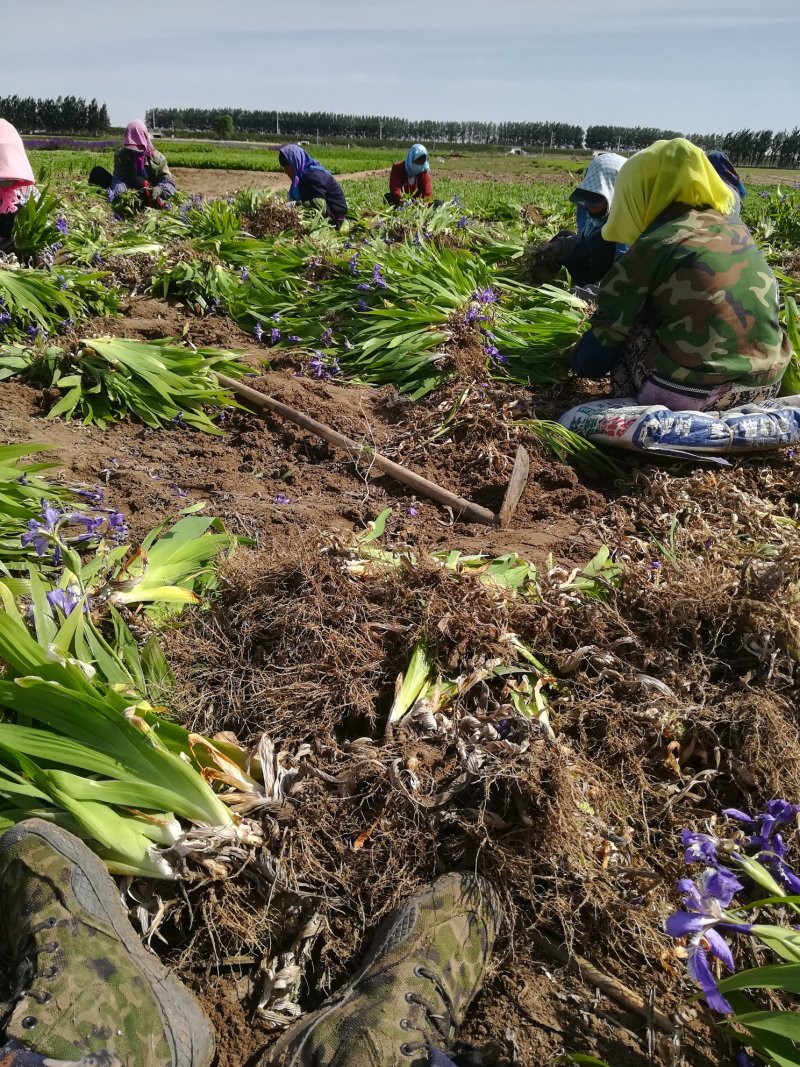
(726, 170)
(301, 163)
(413, 170)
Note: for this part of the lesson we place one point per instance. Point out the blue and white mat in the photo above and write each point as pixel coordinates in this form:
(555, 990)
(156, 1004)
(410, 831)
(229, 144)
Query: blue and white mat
(625, 424)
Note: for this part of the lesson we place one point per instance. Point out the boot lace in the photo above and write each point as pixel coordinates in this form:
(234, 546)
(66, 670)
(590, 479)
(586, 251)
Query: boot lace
(29, 969)
(441, 1024)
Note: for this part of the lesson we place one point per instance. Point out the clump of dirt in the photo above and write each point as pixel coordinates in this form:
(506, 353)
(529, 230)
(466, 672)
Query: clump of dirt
(320, 269)
(133, 273)
(272, 217)
(465, 350)
(534, 215)
(149, 318)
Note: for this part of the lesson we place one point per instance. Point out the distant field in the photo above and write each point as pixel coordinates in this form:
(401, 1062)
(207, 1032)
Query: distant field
(478, 197)
(500, 176)
(58, 162)
(67, 162)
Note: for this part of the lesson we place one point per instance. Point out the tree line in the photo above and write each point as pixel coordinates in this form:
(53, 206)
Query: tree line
(72, 114)
(65, 114)
(745, 147)
(305, 125)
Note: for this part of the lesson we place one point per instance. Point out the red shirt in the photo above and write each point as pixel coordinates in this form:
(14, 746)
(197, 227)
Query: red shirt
(400, 185)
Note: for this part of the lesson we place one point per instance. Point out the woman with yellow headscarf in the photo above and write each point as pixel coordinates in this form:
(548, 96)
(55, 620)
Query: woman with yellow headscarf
(688, 317)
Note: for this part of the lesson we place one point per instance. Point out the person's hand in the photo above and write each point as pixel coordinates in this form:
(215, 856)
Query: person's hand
(558, 251)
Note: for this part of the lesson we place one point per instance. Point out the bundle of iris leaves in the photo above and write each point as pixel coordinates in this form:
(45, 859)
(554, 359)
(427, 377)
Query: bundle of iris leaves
(388, 302)
(105, 379)
(81, 744)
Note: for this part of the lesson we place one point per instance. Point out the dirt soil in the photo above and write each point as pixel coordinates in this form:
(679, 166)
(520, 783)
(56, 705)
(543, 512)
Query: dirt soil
(211, 182)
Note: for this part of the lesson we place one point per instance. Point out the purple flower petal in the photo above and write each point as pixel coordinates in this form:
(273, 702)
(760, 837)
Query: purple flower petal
(701, 972)
(684, 923)
(699, 848)
(739, 816)
(719, 948)
(721, 884)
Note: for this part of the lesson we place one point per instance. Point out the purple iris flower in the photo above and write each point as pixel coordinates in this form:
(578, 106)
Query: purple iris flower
(112, 196)
(768, 840)
(274, 335)
(178, 420)
(295, 339)
(699, 848)
(353, 264)
(94, 496)
(474, 314)
(317, 367)
(361, 305)
(61, 225)
(327, 338)
(484, 296)
(282, 498)
(463, 222)
(91, 522)
(258, 332)
(364, 287)
(275, 317)
(377, 277)
(244, 274)
(743, 1060)
(41, 534)
(417, 241)
(412, 512)
(705, 903)
(97, 259)
(494, 353)
(117, 526)
(61, 281)
(65, 599)
(33, 332)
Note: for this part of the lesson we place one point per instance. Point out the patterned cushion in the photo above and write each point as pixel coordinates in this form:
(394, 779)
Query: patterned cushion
(625, 424)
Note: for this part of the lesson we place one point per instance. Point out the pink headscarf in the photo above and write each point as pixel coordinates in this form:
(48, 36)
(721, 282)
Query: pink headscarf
(138, 139)
(14, 167)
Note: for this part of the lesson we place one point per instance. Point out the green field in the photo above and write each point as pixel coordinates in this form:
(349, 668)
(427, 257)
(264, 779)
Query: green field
(340, 160)
(47, 163)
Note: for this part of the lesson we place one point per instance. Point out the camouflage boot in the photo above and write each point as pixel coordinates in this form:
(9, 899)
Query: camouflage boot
(426, 964)
(83, 983)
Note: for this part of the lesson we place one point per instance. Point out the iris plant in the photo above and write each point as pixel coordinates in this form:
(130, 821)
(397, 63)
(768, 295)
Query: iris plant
(708, 899)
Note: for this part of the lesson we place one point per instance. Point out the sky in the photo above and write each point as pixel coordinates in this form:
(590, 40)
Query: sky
(689, 65)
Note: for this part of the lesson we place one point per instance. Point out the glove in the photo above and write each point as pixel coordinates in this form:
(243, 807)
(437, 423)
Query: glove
(593, 360)
(560, 249)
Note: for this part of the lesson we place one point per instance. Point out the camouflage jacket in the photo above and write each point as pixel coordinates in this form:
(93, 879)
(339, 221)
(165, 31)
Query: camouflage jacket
(699, 282)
